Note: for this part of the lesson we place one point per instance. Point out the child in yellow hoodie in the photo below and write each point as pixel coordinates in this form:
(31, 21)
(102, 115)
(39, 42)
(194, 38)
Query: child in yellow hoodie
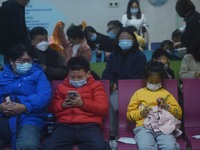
(141, 105)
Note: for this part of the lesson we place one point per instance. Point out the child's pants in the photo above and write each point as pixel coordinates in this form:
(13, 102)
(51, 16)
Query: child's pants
(148, 139)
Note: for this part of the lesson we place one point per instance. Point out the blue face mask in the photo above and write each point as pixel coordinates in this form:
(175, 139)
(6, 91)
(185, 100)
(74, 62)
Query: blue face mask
(112, 35)
(125, 44)
(93, 37)
(78, 83)
(134, 11)
(23, 68)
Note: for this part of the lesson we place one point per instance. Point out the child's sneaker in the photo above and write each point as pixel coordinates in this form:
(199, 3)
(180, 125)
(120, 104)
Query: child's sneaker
(113, 144)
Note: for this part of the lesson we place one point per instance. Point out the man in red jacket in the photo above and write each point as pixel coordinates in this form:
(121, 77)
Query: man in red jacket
(79, 104)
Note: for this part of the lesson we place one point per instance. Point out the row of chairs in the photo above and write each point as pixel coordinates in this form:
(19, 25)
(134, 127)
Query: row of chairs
(99, 67)
(126, 89)
(191, 111)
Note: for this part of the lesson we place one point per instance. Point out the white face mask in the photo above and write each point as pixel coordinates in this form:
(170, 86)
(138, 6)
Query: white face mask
(42, 46)
(154, 87)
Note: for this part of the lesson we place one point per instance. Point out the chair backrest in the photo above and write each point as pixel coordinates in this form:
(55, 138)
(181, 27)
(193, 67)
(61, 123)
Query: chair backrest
(155, 45)
(94, 56)
(175, 66)
(148, 54)
(98, 67)
(191, 102)
(106, 84)
(126, 89)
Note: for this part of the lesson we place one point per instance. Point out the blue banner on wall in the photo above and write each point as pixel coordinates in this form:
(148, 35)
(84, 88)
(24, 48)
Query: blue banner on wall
(44, 14)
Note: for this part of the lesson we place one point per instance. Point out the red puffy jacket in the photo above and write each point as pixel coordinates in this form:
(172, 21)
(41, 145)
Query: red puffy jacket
(95, 103)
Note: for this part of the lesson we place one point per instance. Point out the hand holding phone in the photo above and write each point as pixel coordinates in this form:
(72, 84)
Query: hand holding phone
(72, 94)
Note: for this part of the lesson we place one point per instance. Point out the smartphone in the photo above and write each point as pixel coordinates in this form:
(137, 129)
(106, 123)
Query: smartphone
(72, 94)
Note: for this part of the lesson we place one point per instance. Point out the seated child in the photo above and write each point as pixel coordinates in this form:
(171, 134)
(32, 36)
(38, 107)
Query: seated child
(144, 102)
(163, 56)
(175, 53)
(79, 104)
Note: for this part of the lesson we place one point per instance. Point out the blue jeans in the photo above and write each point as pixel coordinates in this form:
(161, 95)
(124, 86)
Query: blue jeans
(85, 136)
(148, 139)
(28, 137)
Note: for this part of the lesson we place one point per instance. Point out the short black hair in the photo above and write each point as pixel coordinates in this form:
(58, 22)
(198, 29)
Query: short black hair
(115, 23)
(18, 50)
(154, 68)
(176, 33)
(75, 32)
(183, 7)
(78, 63)
(37, 31)
(160, 52)
(90, 29)
(166, 42)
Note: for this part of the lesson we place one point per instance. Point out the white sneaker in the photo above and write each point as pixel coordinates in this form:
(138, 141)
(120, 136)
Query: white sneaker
(113, 144)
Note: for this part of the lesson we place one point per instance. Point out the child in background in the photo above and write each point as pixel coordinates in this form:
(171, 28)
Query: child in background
(163, 56)
(167, 45)
(149, 98)
(79, 114)
(176, 38)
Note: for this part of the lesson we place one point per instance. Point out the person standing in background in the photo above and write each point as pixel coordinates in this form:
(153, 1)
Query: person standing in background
(134, 17)
(187, 10)
(13, 28)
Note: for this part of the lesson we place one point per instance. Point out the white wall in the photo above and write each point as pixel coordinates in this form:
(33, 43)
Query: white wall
(162, 20)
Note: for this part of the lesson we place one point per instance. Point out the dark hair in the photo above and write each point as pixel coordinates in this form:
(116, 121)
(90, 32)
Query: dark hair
(166, 42)
(131, 32)
(75, 32)
(160, 52)
(87, 30)
(154, 68)
(90, 29)
(18, 50)
(176, 33)
(128, 12)
(37, 31)
(133, 28)
(115, 23)
(183, 7)
(78, 63)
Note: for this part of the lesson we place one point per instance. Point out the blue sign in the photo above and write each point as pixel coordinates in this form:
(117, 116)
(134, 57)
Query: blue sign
(44, 14)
